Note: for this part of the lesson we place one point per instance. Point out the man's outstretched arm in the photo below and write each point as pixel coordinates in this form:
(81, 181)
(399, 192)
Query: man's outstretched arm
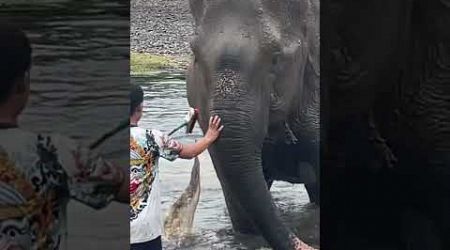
(189, 151)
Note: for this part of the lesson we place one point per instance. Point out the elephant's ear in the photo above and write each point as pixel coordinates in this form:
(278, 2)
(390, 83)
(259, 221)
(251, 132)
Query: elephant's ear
(197, 10)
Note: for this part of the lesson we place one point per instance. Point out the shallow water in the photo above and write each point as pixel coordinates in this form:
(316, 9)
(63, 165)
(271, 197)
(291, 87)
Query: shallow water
(165, 106)
(80, 71)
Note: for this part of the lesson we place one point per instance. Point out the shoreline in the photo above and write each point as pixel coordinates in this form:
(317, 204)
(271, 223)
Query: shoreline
(160, 33)
(146, 63)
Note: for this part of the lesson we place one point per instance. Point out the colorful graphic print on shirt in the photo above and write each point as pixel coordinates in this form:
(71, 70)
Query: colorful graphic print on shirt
(142, 172)
(31, 201)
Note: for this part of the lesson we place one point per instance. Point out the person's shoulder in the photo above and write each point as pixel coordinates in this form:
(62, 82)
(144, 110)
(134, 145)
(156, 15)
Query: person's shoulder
(17, 132)
(156, 133)
(40, 135)
(22, 135)
(138, 131)
(63, 144)
(19, 140)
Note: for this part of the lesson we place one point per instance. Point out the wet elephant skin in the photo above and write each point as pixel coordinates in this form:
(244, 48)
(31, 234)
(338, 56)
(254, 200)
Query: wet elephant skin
(256, 64)
(385, 124)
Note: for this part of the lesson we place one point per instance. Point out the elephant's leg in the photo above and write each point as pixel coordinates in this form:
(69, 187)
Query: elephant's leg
(268, 176)
(269, 183)
(268, 160)
(308, 169)
(313, 192)
(309, 176)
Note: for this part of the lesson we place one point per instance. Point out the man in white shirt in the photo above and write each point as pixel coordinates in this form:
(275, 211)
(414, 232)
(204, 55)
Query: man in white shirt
(146, 146)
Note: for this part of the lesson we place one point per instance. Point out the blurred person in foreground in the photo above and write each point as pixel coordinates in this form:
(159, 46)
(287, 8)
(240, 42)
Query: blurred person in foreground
(39, 174)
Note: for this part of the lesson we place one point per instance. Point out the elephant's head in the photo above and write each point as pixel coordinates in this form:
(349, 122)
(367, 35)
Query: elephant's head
(248, 68)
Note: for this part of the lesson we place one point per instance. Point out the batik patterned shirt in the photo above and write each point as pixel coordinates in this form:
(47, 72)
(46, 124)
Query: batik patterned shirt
(38, 176)
(146, 146)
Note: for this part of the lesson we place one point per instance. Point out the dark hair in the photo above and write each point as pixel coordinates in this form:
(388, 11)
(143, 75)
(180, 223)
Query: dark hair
(136, 97)
(15, 57)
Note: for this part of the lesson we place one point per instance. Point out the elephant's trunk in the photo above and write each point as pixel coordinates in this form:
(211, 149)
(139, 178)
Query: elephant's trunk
(237, 159)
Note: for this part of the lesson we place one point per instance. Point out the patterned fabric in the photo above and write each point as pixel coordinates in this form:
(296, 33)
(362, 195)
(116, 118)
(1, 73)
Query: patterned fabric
(146, 146)
(38, 176)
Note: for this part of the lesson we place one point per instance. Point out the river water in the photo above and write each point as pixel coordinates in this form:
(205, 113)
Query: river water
(80, 89)
(165, 106)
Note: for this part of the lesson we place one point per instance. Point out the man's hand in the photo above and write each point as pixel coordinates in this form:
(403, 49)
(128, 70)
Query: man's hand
(190, 151)
(214, 128)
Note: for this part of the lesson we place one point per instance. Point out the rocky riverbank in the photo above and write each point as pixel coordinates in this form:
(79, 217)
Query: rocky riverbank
(160, 33)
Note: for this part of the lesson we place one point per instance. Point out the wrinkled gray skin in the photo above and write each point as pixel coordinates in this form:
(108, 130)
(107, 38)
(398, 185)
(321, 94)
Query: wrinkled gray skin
(178, 222)
(386, 116)
(256, 64)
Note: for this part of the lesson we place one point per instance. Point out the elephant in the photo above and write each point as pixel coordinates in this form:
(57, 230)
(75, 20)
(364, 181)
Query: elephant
(385, 108)
(256, 65)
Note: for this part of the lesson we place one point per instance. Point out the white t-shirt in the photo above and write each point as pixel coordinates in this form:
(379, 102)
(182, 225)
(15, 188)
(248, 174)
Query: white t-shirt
(146, 146)
(38, 176)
